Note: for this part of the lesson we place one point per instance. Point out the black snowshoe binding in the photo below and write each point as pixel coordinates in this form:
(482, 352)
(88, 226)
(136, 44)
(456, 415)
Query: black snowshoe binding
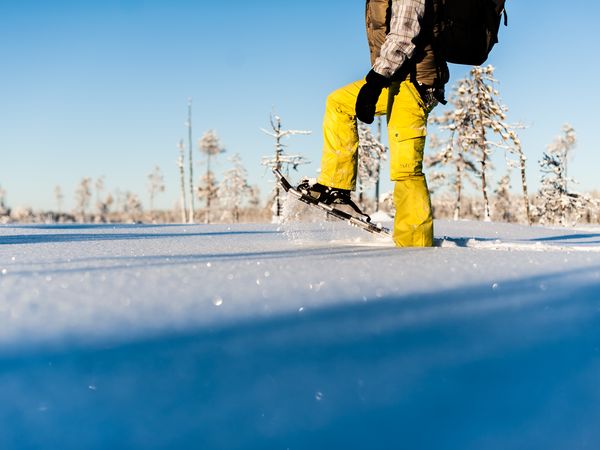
(330, 196)
(329, 200)
(325, 194)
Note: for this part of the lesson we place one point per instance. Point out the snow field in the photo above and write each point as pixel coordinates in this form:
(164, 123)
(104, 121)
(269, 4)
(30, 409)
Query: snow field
(300, 335)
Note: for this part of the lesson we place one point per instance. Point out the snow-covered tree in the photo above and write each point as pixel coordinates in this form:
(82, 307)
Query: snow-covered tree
(59, 197)
(207, 191)
(102, 205)
(476, 119)
(132, 207)
(370, 154)
(503, 207)
(436, 178)
(281, 161)
(386, 203)
(99, 185)
(83, 195)
(254, 200)
(514, 149)
(210, 146)
(454, 152)
(234, 189)
(3, 208)
(156, 185)
(181, 166)
(556, 203)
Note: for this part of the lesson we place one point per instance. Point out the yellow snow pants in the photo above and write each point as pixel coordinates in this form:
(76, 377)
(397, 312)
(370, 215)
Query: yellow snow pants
(407, 128)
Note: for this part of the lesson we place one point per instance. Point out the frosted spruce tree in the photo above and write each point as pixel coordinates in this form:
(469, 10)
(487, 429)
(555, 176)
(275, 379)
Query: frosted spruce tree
(455, 151)
(59, 197)
(83, 195)
(254, 200)
(132, 207)
(281, 161)
(156, 185)
(102, 205)
(210, 146)
(99, 186)
(503, 207)
(207, 191)
(556, 203)
(370, 154)
(234, 189)
(478, 118)
(436, 178)
(3, 208)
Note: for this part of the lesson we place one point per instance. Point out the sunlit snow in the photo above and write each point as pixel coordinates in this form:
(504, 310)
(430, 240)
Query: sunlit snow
(302, 335)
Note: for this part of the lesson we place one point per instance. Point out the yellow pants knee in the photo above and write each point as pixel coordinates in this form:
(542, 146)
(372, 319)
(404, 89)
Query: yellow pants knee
(340, 136)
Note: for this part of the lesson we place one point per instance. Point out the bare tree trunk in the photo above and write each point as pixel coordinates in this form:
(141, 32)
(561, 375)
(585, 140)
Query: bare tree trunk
(182, 183)
(278, 165)
(458, 187)
(378, 167)
(484, 157)
(209, 189)
(524, 183)
(191, 213)
(486, 201)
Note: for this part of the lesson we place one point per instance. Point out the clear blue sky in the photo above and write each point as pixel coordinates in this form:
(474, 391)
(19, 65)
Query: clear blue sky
(101, 88)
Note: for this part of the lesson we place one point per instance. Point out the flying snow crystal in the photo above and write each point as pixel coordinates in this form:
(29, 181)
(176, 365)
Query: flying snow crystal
(495, 286)
(217, 300)
(4, 271)
(317, 286)
(318, 396)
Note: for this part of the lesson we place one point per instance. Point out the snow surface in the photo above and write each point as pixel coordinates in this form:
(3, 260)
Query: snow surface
(299, 336)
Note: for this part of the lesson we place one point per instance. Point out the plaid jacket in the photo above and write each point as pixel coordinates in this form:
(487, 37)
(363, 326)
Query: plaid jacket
(394, 28)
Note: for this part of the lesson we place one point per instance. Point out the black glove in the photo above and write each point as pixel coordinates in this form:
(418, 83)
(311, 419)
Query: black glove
(368, 96)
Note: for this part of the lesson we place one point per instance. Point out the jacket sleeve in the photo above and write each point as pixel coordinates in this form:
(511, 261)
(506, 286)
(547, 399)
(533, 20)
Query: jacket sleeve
(399, 45)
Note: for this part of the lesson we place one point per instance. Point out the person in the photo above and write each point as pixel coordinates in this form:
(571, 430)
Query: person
(405, 83)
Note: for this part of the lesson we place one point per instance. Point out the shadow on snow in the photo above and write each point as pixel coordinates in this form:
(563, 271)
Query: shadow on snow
(472, 368)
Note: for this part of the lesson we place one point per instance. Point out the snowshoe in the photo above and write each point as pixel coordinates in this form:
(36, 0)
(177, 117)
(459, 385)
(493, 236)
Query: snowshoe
(330, 200)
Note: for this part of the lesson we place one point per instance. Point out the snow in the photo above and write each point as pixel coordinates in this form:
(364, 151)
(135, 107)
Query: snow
(303, 335)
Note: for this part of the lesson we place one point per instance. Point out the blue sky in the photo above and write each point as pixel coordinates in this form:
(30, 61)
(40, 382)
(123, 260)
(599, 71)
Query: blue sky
(100, 88)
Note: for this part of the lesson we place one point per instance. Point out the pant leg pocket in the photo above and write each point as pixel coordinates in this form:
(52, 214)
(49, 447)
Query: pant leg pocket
(406, 151)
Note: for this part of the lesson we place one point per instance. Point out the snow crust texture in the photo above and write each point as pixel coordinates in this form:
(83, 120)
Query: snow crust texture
(299, 335)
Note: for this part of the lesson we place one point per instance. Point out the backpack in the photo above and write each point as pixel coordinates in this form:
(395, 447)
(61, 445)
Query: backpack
(464, 31)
